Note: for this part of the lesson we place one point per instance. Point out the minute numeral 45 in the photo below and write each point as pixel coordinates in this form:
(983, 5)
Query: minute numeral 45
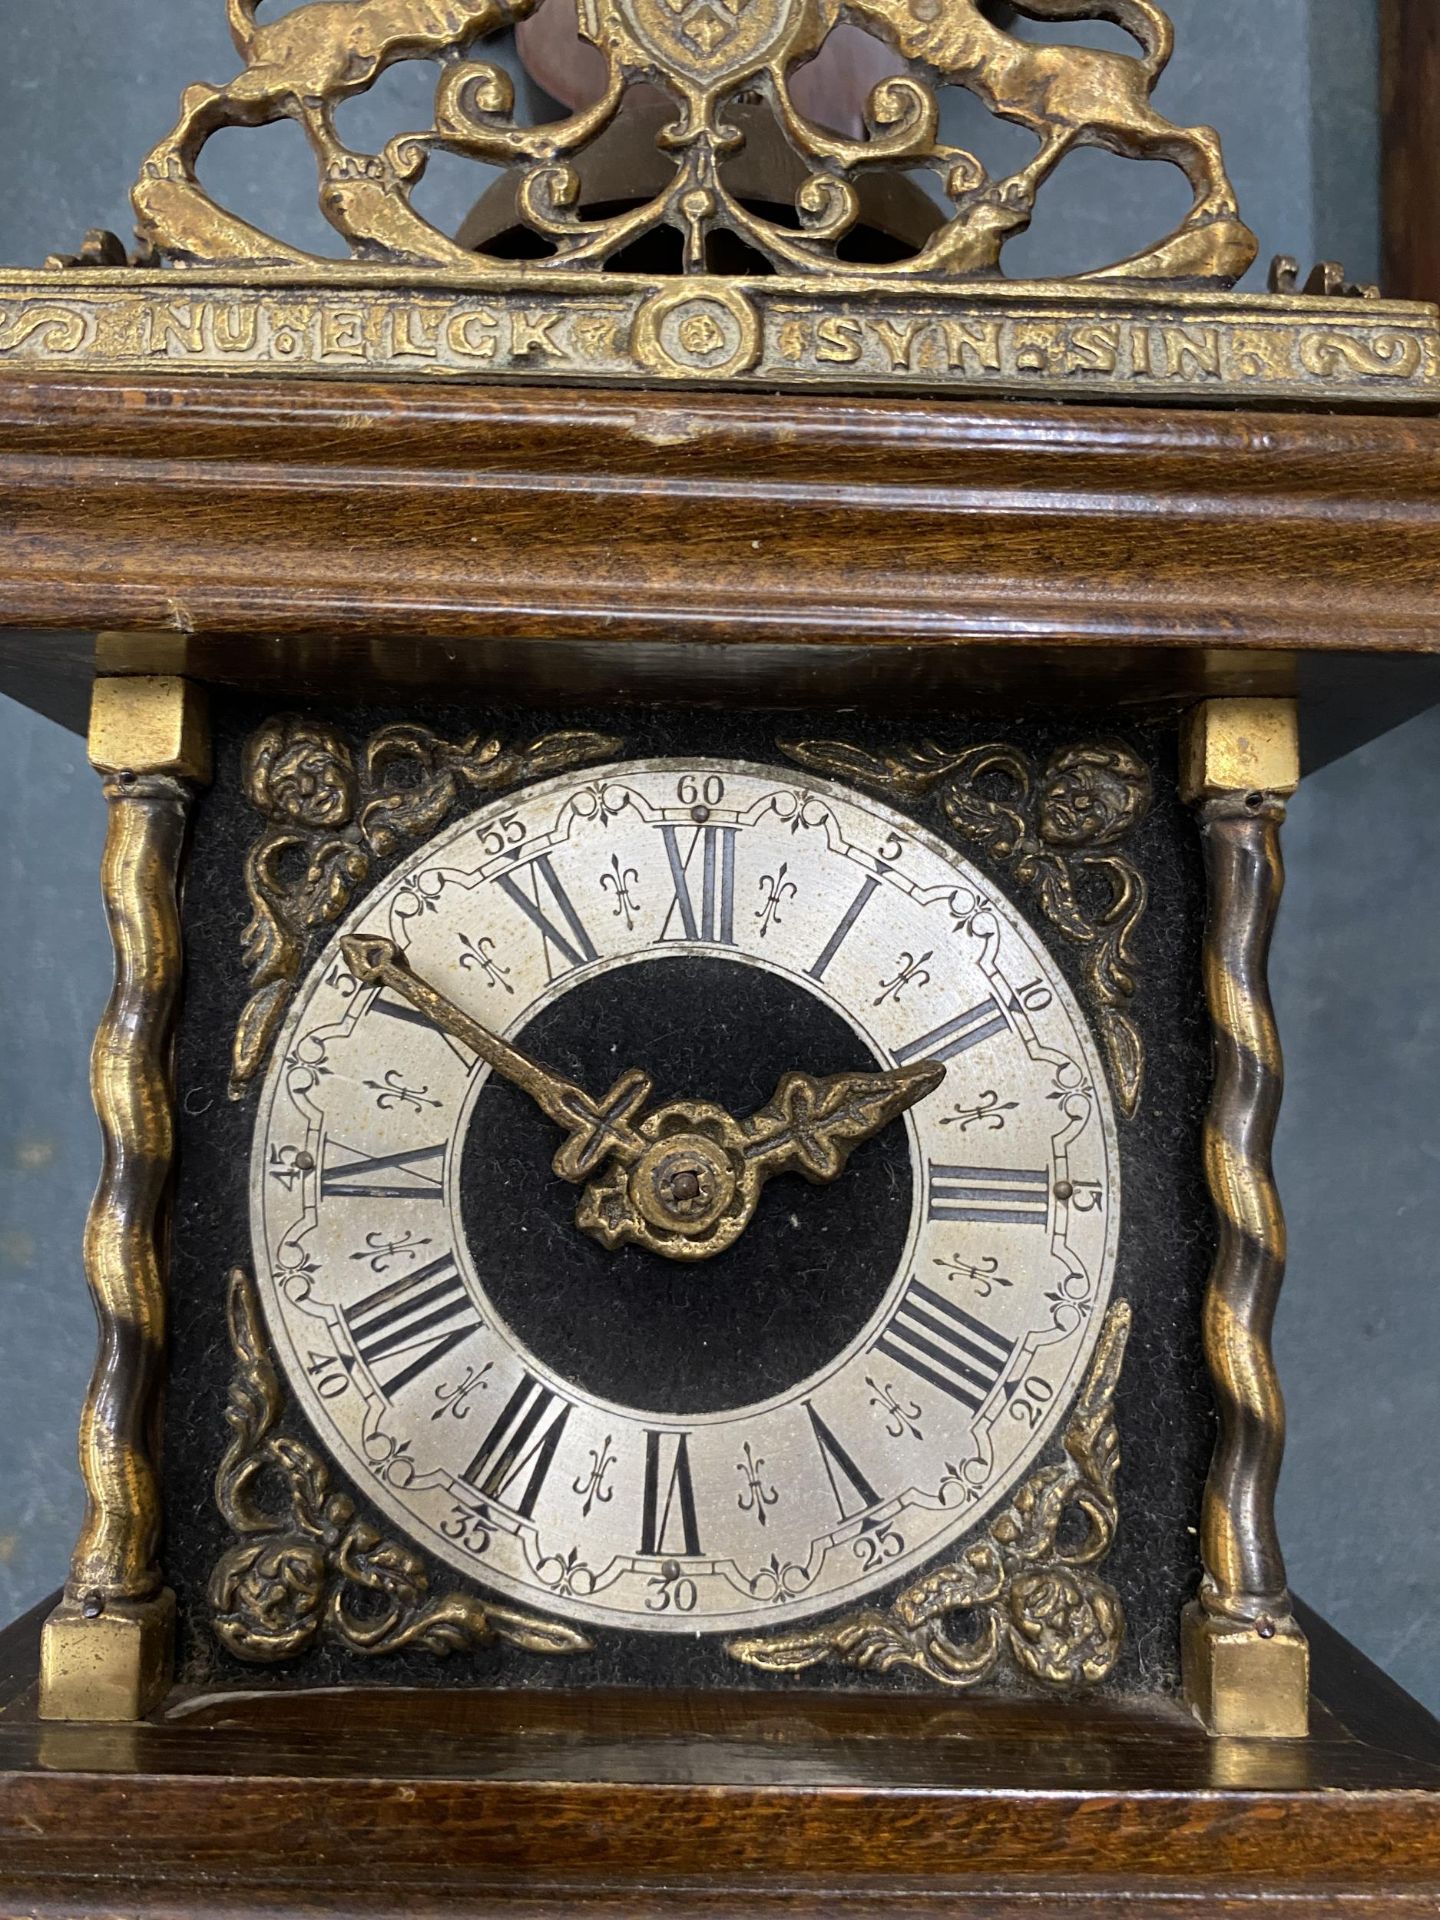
(402, 1330)
(716, 919)
(520, 1447)
(943, 1344)
(1001, 1196)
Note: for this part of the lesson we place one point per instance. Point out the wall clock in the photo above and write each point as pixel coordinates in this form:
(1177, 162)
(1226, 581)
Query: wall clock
(686, 1245)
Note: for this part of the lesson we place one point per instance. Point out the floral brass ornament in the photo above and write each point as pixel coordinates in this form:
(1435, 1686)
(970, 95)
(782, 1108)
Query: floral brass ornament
(703, 55)
(1055, 830)
(332, 818)
(1028, 1585)
(306, 1568)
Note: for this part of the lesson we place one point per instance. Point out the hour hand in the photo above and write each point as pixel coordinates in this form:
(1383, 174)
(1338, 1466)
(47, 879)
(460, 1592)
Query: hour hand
(812, 1126)
(595, 1129)
(695, 1189)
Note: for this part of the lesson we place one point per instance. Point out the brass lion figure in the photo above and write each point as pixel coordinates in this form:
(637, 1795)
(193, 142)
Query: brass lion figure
(301, 66)
(1072, 97)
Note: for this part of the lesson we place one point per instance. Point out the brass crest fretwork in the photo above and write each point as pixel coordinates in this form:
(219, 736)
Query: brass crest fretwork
(691, 222)
(702, 54)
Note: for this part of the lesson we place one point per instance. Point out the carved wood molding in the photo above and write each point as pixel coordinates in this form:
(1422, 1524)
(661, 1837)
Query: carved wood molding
(851, 523)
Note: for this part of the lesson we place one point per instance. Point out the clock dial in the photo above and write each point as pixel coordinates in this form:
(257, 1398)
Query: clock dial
(573, 1416)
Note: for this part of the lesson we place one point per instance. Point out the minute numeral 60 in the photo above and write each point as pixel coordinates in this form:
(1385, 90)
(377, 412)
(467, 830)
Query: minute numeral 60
(692, 790)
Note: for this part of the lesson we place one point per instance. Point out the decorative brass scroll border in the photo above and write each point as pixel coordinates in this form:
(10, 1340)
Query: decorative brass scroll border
(974, 338)
(1027, 1586)
(305, 1568)
(1058, 830)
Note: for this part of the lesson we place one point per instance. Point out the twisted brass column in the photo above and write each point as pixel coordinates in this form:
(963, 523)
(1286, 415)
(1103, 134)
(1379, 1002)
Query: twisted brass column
(107, 1647)
(1246, 1664)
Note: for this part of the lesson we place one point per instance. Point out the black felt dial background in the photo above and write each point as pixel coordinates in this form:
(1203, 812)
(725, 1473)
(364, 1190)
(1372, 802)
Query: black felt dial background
(1164, 1408)
(630, 1326)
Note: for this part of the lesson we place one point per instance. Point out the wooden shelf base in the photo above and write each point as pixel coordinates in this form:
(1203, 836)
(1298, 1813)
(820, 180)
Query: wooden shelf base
(389, 1802)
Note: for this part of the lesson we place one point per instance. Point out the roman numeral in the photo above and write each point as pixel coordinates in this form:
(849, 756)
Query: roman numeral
(959, 1035)
(838, 938)
(575, 945)
(841, 1470)
(413, 1175)
(402, 1330)
(1004, 1196)
(716, 919)
(669, 1496)
(946, 1346)
(524, 1438)
(412, 1016)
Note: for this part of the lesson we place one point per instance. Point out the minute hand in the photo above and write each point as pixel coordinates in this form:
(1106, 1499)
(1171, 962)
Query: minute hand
(597, 1129)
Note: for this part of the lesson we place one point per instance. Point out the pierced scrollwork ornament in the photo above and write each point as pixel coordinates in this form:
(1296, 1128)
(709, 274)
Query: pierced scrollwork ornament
(1027, 1586)
(333, 817)
(308, 1569)
(1057, 830)
(703, 55)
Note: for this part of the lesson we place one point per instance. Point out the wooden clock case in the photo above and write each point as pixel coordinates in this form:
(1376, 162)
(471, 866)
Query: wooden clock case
(338, 539)
(1059, 554)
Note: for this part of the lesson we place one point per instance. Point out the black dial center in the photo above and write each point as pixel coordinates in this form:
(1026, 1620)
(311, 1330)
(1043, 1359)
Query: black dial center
(630, 1326)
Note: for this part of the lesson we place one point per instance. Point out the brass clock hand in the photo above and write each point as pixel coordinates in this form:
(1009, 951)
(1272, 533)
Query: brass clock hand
(685, 1180)
(598, 1129)
(695, 1190)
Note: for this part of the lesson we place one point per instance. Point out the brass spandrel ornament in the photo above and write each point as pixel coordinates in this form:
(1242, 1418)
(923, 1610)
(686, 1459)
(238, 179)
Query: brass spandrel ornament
(305, 1567)
(415, 301)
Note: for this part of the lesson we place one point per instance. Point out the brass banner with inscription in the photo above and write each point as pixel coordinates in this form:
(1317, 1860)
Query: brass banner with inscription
(964, 337)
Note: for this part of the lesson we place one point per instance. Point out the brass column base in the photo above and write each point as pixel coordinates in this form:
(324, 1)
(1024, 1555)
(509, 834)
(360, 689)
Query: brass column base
(110, 1664)
(1245, 1682)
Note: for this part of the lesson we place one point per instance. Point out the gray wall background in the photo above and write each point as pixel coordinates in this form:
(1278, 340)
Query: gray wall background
(88, 85)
